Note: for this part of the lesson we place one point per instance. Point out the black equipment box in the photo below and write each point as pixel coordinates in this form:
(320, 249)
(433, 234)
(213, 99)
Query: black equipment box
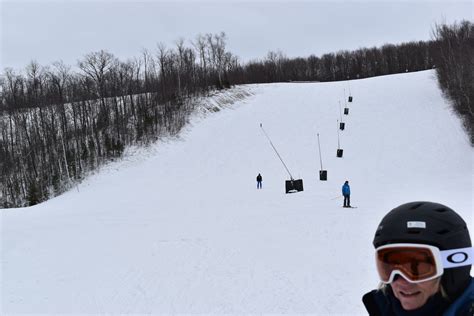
(323, 175)
(293, 186)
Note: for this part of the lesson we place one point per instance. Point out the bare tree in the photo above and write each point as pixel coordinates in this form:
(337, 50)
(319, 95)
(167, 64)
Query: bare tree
(96, 66)
(455, 68)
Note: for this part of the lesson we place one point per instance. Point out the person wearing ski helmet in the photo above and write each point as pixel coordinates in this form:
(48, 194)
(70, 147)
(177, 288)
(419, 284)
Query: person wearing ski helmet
(423, 257)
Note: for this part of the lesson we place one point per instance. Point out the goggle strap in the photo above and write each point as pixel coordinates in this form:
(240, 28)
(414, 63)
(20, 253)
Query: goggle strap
(454, 258)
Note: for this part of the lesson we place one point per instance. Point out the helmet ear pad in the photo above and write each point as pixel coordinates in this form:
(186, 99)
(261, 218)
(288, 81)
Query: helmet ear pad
(441, 227)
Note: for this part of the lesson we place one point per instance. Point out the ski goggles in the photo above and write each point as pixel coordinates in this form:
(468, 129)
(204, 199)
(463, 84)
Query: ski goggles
(418, 262)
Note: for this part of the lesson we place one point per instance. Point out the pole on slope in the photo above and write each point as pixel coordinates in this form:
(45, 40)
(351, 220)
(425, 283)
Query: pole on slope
(339, 152)
(346, 109)
(284, 165)
(320, 158)
(338, 142)
(342, 124)
(323, 174)
(340, 111)
(292, 185)
(350, 95)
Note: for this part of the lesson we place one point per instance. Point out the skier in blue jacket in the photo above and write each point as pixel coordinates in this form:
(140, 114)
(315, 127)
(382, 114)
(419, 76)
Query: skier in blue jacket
(423, 255)
(346, 192)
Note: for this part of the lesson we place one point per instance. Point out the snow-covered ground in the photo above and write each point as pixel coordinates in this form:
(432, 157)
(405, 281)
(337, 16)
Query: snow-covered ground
(181, 227)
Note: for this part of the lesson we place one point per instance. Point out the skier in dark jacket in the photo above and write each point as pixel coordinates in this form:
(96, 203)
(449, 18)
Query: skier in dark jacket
(346, 192)
(423, 257)
(259, 181)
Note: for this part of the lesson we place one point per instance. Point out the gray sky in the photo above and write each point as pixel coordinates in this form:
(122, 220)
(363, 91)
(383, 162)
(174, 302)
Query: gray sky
(48, 31)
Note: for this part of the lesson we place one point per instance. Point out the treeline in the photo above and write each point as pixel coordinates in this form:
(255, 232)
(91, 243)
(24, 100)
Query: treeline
(343, 65)
(58, 124)
(454, 56)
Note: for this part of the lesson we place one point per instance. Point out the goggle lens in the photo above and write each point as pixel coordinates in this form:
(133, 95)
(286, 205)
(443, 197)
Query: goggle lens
(416, 264)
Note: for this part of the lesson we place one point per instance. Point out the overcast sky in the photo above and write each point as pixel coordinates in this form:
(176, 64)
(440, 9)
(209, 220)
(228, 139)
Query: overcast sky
(66, 30)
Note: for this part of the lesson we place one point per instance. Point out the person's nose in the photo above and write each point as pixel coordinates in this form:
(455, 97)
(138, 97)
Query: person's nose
(399, 279)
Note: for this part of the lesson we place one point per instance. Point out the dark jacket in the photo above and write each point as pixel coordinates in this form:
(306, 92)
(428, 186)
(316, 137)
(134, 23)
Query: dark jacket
(259, 178)
(464, 304)
(379, 304)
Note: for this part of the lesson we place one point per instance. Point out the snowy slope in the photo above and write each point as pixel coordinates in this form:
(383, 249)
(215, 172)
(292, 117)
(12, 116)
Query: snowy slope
(181, 228)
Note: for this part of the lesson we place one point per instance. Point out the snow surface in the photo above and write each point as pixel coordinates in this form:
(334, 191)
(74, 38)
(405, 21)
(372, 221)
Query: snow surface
(181, 228)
